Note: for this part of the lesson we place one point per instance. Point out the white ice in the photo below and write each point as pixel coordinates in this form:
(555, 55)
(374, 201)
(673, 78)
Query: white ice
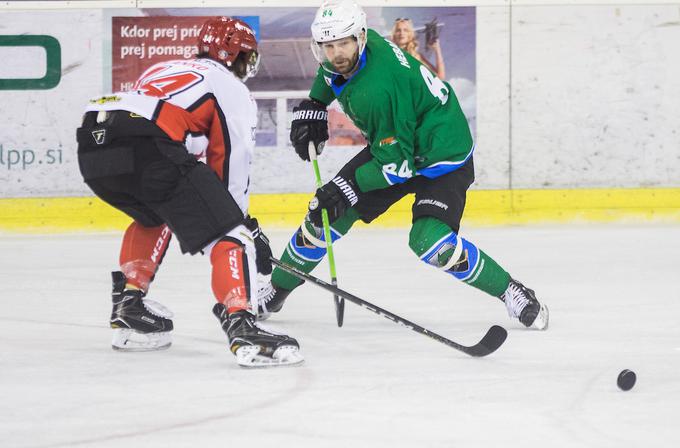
(613, 292)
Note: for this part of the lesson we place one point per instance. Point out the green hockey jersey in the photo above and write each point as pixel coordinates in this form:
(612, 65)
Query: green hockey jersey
(411, 119)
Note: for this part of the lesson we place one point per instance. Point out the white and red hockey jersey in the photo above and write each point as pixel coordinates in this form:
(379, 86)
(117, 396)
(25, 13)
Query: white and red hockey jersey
(201, 103)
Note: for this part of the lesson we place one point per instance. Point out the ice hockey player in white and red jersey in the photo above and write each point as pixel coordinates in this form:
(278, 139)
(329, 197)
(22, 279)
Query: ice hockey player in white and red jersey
(139, 151)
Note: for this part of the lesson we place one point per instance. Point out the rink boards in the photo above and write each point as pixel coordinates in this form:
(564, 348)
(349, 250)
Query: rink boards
(488, 207)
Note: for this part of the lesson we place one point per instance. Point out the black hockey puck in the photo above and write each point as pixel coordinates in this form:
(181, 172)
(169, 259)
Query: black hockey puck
(626, 379)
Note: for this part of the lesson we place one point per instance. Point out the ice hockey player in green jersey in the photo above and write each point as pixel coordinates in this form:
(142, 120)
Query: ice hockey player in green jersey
(419, 142)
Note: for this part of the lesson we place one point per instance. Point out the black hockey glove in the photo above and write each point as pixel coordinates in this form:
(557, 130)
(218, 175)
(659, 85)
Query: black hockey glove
(263, 252)
(310, 123)
(336, 197)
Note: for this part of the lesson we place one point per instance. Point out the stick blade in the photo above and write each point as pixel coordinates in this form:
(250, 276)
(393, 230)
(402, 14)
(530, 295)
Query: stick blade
(491, 341)
(339, 310)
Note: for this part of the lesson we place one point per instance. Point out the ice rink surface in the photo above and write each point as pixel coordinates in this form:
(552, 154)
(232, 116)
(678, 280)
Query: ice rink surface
(613, 292)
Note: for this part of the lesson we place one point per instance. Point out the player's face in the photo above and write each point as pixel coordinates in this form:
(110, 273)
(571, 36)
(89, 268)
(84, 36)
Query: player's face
(342, 53)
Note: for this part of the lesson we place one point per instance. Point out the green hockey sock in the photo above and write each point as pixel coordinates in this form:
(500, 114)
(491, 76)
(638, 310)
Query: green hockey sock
(437, 244)
(305, 250)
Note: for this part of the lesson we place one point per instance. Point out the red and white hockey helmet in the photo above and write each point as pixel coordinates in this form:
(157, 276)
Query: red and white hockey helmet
(224, 39)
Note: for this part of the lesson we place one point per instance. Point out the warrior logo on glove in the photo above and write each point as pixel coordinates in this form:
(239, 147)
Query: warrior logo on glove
(319, 115)
(347, 190)
(310, 124)
(336, 197)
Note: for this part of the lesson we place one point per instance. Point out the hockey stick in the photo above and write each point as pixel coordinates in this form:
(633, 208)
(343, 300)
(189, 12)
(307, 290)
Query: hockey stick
(493, 338)
(339, 302)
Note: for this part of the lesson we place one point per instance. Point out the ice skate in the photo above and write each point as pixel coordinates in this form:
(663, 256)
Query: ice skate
(253, 345)
(270, 299)
(521, 303)
(139, 324)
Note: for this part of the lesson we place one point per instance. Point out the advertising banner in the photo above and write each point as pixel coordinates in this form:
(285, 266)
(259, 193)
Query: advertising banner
(444, 38)
(140, 42)
(47, 73)
(54, 73)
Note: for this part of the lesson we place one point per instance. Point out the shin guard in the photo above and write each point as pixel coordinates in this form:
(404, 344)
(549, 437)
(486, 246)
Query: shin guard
(233, 269)
(142, 252)
(306, 249)
(309, 242)
(455, 255)
(437, 245)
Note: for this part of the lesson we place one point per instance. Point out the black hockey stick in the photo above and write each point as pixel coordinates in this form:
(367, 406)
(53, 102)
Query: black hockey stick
(493, 338)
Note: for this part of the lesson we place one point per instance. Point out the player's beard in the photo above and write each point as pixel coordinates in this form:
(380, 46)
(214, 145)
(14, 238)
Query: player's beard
(345, 66)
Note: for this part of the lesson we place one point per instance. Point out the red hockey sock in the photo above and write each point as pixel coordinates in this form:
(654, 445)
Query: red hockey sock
(141, 253)
(230, 281)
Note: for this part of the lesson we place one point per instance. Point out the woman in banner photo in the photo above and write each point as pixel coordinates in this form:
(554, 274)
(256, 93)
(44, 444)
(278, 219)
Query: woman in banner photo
(404, 35)
(139, 152)
(419, 143)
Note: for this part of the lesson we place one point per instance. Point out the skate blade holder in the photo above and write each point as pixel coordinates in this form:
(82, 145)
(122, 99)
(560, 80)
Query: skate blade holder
(543, 319)
(125, 339)
(286, 355)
